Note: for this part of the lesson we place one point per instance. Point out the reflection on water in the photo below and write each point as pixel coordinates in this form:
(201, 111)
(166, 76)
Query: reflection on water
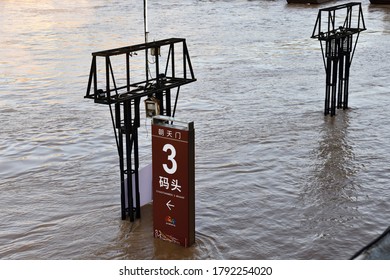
(331, 188)
(335, 163)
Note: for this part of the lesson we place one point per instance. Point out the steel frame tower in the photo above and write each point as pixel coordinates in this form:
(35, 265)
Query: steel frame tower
(123, 96)
(337, 32)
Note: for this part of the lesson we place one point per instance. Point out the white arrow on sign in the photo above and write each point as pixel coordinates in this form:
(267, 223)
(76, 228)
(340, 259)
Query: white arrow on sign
(169, 205)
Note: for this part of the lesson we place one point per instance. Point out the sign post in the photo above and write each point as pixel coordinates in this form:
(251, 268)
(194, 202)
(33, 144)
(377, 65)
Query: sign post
(173, 161)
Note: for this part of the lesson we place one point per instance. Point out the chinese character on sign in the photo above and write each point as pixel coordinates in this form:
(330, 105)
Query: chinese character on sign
(175, 185)
(178, 135)
(169, 133)
(161, 132)
(164, 182)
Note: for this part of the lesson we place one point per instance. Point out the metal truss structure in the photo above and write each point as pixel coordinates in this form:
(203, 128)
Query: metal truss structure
(123, 90)
(338, 28)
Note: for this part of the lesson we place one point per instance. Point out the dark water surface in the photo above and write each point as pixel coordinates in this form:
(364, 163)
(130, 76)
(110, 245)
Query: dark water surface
(275, 179)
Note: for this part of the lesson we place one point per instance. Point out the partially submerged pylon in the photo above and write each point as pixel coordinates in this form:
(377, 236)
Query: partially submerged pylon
(338, 28)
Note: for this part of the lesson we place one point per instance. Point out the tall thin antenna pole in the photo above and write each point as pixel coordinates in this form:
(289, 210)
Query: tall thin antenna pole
(146, 31)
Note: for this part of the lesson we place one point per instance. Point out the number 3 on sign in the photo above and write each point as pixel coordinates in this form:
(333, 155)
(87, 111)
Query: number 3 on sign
(171, 158)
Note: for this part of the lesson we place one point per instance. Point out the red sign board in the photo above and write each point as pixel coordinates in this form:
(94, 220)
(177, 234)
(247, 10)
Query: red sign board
(173, 163)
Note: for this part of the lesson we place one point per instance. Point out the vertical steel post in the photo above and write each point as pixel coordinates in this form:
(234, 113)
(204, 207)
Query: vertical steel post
(346, 79)
(172, 48)
(108, 94)
(340, 93)
(121, 158)
(146, 31)
(168, 102)
(334, 85)
(185, 59)
(128, 130)
(136, 125)
(328, 85)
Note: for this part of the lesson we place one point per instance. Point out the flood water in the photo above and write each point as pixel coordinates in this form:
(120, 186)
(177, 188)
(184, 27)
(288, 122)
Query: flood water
(275, 178)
